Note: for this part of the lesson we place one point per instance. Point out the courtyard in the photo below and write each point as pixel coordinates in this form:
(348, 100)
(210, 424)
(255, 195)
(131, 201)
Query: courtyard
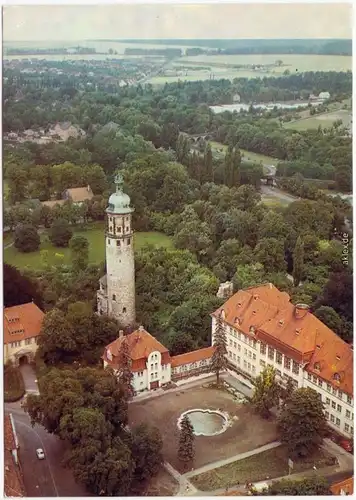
(246, 432)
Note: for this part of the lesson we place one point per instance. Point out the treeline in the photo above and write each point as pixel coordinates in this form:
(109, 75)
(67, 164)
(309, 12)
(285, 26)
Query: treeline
(259, 46)
(48, 51)
(169, 53)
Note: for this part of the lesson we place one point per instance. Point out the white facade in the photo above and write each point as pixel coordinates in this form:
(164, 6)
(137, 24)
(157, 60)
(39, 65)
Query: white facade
(251, 356)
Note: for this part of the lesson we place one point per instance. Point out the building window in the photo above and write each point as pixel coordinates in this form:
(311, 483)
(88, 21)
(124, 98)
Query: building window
(110, 229)
(245, 352)
(128, 241)
(333, 404)
(245, 364)
(286, 363)
(230, 354)
(234, 355)
(315, 379)
(271, 353)
(124, 310)
(328, 387)
(249, 367)
(332, 418)
(118, 243)
(327, 415)
(238, 359)
(349, 400)
(119, 229)
(295, 368)
(253, 369)
(109, 241)
(254, 356)
(127, 229)
(263, 348)
(327, 401)
(156, 366)
(334, 392)
(239, 335)
(250, 354)
(309, 376)
(239, 347)
(114, 297)
(151, 366)
(230, 342)
(338, 422)
(339, 393)
(347, 427)
(320, 383)
(262, 363)
(235, 345)
(339, 408)
(28, 341)
(279, 358)
(348, 414)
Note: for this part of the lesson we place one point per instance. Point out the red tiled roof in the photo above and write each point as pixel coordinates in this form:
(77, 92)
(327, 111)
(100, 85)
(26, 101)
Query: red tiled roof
(345, 486)
(192, 357)
(22, 322)
(293, 330)
(141, 345)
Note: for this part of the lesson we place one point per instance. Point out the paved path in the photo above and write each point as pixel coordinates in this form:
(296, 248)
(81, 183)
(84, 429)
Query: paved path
(235, 458)
(29, 378)
(185, 486)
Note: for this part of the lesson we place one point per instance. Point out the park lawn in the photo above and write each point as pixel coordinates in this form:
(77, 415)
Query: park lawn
(271, 463)
(14, 387)
(247, 155)
(95, 236)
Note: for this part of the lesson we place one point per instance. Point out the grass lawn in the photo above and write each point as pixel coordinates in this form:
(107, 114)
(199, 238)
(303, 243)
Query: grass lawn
(14, 387)
(325, 120)
(247, 155)
(272, 463)
(95, 236)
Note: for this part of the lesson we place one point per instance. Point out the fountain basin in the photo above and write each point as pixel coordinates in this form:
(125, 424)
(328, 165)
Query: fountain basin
(206, 422)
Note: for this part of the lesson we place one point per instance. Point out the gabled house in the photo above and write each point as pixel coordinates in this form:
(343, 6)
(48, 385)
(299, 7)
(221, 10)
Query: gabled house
(22, 328)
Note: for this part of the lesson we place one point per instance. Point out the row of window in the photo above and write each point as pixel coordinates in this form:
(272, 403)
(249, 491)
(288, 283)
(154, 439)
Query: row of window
(277, 356)
(243, 337)
(118, 242)
(247, 366)
(329, 388)
(191, 366)
(335, 420)
(19, 342)
(237, 346)
(119, 229)
(338, 408)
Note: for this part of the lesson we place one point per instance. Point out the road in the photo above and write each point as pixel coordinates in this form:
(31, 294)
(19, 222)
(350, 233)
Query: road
(42, 478)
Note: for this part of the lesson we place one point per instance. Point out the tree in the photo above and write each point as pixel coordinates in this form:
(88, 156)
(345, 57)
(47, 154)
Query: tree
(298, 261)
(60, 233)
(79, 247)
(19, 289)
(219, 360)
(125, 375)
(330, 318)
(302, 423)
(146, 447)
(270, 253)
(310, 486)
(186, 441)
(26, 238)
(266, 392)
(180, 344)
(17, 178)
(208, 164)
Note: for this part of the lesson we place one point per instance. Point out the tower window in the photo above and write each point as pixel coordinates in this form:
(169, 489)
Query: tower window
(119, 229)
(128, 241)
(109, 241)
(114, 297)
(118, 243)
(124, 309)
(127, 229)
(110, 229)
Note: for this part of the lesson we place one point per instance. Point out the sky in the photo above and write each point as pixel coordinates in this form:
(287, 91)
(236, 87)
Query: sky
(145, 21)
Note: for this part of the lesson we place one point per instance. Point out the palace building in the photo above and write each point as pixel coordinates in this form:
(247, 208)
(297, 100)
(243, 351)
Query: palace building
(265, 329)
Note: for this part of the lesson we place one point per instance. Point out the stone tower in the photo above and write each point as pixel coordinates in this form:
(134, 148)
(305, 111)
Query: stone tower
(116, 296)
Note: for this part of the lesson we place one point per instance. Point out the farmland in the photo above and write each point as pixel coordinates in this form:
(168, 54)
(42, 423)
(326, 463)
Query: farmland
(324, 120)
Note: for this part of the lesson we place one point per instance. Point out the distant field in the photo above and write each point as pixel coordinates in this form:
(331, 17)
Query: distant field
(325, 120)
(95, 236)
(292, 62)
(248, 155)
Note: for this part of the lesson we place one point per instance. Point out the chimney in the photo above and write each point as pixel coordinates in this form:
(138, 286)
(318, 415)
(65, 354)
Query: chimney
(140, 328)
(301, 310)
(121, 333)
(255, 297)
(88, 188)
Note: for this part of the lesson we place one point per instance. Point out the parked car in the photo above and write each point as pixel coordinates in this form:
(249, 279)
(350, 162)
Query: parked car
(40, 454)
(346, 444)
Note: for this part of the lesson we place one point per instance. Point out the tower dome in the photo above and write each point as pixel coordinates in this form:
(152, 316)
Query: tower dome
(119, 202)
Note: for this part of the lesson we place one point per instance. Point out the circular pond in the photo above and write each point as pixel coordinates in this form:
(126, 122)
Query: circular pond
(206, 422)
